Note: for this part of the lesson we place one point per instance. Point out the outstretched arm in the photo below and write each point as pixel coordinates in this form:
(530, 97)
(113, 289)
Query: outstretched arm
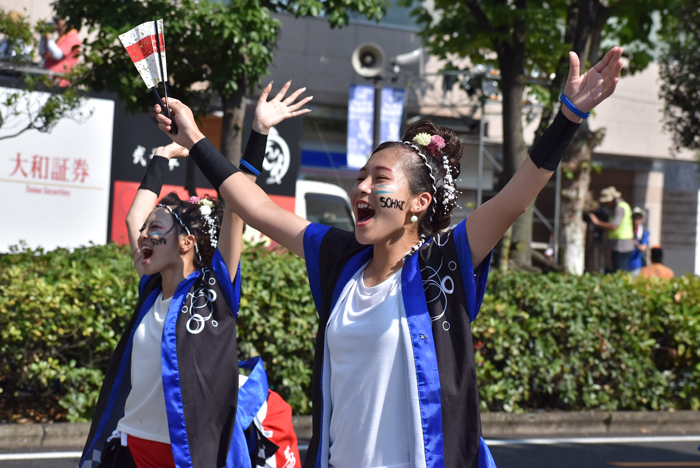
(267, 115)
(490, 221)
(241, 194)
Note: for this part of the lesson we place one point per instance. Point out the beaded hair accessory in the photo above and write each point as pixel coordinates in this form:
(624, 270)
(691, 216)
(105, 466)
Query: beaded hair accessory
(205, 207)
(433, 145)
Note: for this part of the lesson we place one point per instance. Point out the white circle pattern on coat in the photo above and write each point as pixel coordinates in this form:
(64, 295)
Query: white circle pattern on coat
(202, 310)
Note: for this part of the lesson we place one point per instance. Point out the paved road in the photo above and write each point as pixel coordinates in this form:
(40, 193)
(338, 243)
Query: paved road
(511, 454)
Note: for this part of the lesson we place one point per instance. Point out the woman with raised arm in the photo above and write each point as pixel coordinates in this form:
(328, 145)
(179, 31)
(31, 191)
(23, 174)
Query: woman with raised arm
(170, 394)
(394, 374)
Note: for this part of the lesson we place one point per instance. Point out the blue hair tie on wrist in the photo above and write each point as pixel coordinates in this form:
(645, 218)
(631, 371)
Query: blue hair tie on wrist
(250, 167)
(572, 107)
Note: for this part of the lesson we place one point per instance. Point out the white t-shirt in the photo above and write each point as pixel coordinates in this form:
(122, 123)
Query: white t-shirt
(144, 412)
(370, 423)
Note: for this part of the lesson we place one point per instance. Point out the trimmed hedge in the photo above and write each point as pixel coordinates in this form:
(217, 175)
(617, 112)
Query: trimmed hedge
(542, 341)
(592, 342)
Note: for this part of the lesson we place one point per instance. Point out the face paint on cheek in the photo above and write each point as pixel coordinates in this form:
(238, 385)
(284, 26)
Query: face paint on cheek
(384, 188)
(158, 240)
(388, 202)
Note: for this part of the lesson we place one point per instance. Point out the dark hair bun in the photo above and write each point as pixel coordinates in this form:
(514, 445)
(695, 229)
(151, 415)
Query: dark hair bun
(191, 215)
(420, 179)
(453, 145)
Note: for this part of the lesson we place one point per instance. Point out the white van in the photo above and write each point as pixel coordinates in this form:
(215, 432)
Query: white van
(318, 202)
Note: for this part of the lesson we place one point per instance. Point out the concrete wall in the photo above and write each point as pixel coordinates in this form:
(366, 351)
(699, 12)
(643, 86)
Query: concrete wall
(680, 214)
(312, 54)
(632, 117)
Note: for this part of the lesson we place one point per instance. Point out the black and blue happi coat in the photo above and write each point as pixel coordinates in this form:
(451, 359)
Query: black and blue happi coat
(442, 293)
(199, 365)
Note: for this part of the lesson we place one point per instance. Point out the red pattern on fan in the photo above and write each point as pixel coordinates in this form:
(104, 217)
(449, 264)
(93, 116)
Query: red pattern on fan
(141, 44)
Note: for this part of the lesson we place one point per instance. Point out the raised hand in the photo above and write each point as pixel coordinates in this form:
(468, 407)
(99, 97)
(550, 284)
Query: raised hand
(270, 113)
(597, 84)
(188, 133)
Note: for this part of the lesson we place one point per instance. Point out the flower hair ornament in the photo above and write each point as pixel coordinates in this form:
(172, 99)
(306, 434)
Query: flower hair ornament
(433, 145)
(205, 207)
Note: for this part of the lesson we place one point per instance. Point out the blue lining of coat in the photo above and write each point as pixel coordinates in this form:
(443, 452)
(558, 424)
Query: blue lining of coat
(474, 287)
(313, 235)
(238, 453)
(126, 358)
(231, 291)
(425, 357)
(254, 392)
(485, 457)
(171, 377)
(251, 396)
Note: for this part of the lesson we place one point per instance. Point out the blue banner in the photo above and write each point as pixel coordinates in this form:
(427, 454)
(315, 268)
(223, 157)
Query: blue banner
(392, 113)
(360, 125)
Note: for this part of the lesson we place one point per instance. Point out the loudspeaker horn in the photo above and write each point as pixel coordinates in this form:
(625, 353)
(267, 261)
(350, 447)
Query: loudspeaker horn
(368, 60)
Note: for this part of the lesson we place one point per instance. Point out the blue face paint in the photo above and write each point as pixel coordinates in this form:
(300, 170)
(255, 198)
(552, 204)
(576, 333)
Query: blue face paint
(384, 186)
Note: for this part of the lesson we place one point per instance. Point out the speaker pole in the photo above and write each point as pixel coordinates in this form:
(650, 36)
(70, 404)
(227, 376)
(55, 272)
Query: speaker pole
(377, 110)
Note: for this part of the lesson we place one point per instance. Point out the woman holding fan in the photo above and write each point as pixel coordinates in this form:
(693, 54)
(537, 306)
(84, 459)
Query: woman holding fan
(394, 375)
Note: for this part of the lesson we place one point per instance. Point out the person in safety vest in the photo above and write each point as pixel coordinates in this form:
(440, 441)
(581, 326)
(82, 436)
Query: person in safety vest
(620, 227)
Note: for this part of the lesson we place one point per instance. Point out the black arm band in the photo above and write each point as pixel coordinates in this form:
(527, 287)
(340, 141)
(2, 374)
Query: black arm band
(155, 174)
(254, 153)
(215, 167)
(549, 150)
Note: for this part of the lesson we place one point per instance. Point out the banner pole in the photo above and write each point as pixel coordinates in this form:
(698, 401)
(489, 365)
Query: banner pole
(173, 127)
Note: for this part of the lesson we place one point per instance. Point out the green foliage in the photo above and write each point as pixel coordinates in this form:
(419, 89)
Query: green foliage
(278, 321)
(22, 109)
(483, 30)
(591, 342)
(213, 47)
(61, 315)
(680, 72)
(553, 341)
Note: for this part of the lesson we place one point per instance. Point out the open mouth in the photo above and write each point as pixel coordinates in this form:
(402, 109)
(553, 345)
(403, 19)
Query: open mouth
(364, 212)
(147, 252)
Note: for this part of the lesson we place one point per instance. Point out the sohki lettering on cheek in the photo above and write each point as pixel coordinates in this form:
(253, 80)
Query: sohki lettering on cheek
(388, 202)
(158, 240)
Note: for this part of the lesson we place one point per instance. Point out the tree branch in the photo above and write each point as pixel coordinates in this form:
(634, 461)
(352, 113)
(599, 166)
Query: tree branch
(479, 14)
(5, 137)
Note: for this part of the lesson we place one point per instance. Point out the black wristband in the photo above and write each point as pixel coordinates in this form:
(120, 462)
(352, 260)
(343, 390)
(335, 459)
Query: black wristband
(254, 153)
(215, 167)
(550, 149)
(155, 174)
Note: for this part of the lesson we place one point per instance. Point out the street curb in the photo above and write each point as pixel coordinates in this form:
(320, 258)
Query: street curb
(505, 425)
(494, 426)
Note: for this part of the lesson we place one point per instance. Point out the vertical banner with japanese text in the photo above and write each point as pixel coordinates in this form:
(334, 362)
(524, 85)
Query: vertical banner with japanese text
(360, 125)
(391, 114)
(55, 185)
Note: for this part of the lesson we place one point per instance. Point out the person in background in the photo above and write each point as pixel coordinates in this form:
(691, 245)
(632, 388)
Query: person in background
(656, 269)
(620, 228)
(12, 47)
(640, 240)
(61, 55)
